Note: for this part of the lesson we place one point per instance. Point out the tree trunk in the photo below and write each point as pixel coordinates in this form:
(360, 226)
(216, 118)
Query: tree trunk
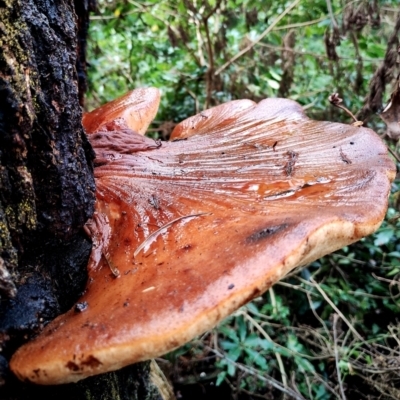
(47, 188)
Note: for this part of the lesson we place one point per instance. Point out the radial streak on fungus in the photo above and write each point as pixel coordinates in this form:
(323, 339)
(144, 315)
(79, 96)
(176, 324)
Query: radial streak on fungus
(269, 209)
(152, 236)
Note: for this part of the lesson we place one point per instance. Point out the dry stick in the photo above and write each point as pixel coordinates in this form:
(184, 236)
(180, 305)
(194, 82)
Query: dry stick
(144, 9)
(213, 10)
(192, 13)
(199, 42)
(347, 111)
(196, 102)
(210, 69)
(316, 55)
(321, 321)
(308, 386)
(393, 154)
(277, 355)
(379, 278)
(295, 353)
(295, 287)
(332, 15)
(301, 24)
(249, 370)
(392, 392)
(265, 33)
(330, 302)
(394, 335)
(273, 300)
(335, 100)
(335, 319)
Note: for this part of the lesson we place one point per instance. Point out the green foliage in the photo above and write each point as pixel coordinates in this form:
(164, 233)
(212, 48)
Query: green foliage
(292, 339)
(180, 48)
(362, 282)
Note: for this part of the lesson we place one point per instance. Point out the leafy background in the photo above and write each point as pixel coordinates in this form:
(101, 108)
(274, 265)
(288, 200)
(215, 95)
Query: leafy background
(329, 330)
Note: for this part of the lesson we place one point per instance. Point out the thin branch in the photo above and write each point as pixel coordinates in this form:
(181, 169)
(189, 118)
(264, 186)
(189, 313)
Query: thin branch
(301, 24)
(316, 55)
(251, 371)
(332, 304)
(295, 287)
(196, 101)
(335, 319)
(210, 69)
(336, 101)
(265, 33)
(199, 42)
(277, 355)
(332, 15)
(215, 8)
(292, 352)
(321, 321)
(393, 154)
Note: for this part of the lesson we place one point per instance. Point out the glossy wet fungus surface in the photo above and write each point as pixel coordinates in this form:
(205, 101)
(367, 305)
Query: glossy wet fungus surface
(187, 231)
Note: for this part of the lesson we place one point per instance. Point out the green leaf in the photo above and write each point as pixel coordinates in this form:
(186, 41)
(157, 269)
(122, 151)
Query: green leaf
(254, 356)
(242, 328)
(384, 237)
(234, 353)
(220, 378)
(305, 364)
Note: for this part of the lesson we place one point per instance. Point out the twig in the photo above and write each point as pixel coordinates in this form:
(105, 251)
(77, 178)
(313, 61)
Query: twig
(331, 303)
(196, 101)
(277, 355)
(291, 351)
(273, 300)
(392, 393)
(332, 15)
(163, 228)
(390, 281)
(335, 100)
(199, 42)
(268, 379)
(265, 33)
(316, 55)
(335, 319)
(301, 24)
(295, 287)
(213, 10)
(210, 69)
(354, 260)
(393, 154)
(321, 321)
(394, 334)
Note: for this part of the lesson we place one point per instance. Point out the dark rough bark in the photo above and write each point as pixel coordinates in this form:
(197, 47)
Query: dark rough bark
(46, 177)
(46, 189)
(47, 186)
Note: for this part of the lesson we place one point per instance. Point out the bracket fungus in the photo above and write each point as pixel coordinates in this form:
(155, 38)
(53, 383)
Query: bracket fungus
(187, 231)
